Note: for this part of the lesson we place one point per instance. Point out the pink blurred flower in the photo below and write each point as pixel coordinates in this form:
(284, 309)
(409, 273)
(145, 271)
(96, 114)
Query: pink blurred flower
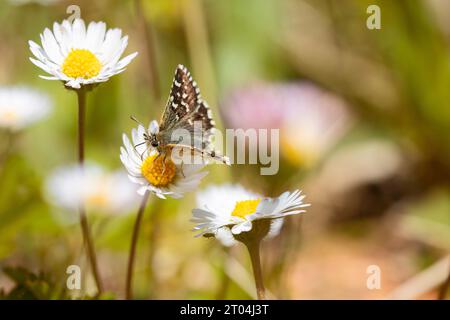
(310, 119)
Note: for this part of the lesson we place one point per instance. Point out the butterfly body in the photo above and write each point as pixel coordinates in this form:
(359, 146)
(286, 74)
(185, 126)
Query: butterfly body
(186, 123)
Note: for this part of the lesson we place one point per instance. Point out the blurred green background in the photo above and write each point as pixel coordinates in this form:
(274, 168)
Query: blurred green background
(379, 189)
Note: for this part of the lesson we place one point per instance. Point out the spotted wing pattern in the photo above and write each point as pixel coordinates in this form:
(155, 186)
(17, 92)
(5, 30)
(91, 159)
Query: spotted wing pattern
(186, 110)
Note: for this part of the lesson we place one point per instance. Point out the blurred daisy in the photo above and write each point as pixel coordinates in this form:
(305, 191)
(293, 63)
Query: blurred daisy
(22, 106)
(158, 174)
(81, 56)
(311, 120)
(100, 191)
(229, 211)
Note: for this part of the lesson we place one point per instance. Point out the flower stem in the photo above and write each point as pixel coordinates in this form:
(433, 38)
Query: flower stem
(444, 288)
(149, 41)
(134, 238)
(81, 93)
(253, 249)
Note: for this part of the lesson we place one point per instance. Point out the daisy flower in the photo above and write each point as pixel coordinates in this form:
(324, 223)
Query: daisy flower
(81, 56)
(229, 212)
(157, 174)
(22, 106)
(99, 190)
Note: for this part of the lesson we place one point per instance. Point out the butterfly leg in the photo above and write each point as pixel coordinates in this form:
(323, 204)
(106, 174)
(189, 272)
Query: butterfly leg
(163, 163)
(181, 169)
(142, 154)
(140, 144)
(205, 154)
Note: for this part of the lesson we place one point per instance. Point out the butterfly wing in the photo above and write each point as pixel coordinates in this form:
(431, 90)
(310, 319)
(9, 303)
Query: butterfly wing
(187, 118)
(187, 122)
(183, 99)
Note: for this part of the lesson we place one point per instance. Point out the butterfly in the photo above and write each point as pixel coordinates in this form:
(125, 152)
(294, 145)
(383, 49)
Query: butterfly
(186, 123)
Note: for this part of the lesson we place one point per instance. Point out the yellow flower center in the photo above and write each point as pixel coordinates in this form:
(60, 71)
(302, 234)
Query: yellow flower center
(81, 63)
(9, 116)
(303, 154)
(157, 172)
(246, 207)
(98, 200)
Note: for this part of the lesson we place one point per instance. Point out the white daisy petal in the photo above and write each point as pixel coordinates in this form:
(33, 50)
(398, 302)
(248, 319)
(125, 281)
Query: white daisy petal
(110, 46)
(48, 78)
(79, 34)
(141, 191)
(275, 228)
(57, 33)
(51, 47)
(99, 37)
(93, 35)
(116, 54)
(225, 236)
(41, 65)
(241, 227)
(74, 83)
(125, 61)
(38, 51)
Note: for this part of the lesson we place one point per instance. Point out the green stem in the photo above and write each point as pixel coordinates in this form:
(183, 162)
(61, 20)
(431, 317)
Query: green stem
(254, 249)
(134, 238)
(149, 48)
(81, 93)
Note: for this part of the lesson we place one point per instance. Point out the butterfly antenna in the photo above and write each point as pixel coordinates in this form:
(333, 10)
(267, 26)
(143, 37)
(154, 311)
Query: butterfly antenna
(136, 120)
